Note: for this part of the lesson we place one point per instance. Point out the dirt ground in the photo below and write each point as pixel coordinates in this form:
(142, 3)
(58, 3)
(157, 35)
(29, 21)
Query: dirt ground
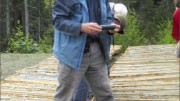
(10, 63)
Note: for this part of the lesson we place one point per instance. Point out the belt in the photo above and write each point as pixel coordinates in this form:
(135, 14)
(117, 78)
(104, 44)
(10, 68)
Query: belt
(89, 41)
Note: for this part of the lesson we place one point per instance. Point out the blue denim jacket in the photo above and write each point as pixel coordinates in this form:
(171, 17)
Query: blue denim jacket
(69, 42)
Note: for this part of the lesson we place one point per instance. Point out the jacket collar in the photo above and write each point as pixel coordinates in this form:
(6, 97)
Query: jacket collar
(83, 2)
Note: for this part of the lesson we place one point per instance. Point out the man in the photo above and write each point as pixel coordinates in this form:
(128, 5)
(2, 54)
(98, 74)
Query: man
(176, 26)
(82, 47)
(119, 10)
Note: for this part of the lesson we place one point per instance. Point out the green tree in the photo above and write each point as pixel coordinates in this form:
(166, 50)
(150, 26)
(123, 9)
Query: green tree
(151, 14)
(39, 16)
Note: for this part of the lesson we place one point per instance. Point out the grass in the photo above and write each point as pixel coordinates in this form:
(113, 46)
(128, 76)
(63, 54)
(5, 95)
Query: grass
(10, 63)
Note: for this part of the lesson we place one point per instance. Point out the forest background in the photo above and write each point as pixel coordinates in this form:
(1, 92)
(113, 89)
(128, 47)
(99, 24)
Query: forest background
(26, 25)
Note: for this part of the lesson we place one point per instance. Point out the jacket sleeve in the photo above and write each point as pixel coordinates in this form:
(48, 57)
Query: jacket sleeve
(109, 13)
(61, 14)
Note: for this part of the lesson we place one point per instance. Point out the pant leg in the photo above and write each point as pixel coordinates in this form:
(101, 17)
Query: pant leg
(68, 79)
(97, 75)
(81, 92)
(178, 50)
(90, 95)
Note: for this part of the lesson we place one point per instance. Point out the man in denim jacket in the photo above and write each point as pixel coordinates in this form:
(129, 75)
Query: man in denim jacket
(82, 92)
(82, 47)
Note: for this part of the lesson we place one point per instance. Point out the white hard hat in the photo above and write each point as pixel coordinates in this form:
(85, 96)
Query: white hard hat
(120, 9)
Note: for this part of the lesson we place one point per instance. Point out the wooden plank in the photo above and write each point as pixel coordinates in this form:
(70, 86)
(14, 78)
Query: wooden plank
(127, 84)
(128, 99)
(24, 81)
(26, 95)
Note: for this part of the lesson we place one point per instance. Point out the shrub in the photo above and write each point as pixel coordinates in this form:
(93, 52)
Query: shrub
(19, 43)
(165, 36)
(46, 41)
(45, 45)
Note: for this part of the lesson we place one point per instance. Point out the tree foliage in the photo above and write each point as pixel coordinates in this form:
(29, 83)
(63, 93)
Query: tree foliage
(39, 16)
(147, 20)
(151, 14)
(164, 32)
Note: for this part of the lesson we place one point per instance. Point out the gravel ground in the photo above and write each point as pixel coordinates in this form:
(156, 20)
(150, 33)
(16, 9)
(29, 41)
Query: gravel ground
(10, 63)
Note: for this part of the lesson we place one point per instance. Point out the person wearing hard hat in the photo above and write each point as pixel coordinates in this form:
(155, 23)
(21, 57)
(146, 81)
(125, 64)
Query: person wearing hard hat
(120, 11)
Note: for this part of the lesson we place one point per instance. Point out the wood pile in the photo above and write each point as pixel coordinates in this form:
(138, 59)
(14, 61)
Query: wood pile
(146, 73)
(36, 83)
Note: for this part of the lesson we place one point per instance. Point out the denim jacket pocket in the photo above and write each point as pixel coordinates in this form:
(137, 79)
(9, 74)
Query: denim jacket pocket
(76, 7)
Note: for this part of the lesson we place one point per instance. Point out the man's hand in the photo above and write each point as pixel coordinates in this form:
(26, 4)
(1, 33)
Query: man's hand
(91, 28)
(117, 28)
